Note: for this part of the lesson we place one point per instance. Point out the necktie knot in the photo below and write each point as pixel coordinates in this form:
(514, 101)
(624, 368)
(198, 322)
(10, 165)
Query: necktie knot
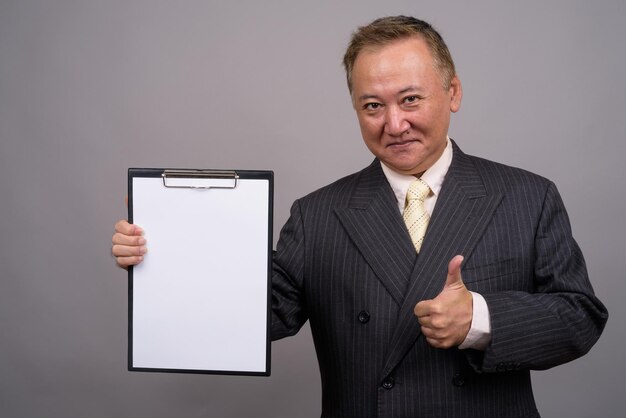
(418, 190)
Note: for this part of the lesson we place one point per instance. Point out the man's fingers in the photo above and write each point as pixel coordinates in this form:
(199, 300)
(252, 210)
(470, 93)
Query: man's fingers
(128, 244)
(128, 250)
(438, 338)
(132, 240)
(126, 262)
(454, 271)
(123, 227)
(434, 322)
(438, 343)
(443, 320)
(454, 267)
(422, 309)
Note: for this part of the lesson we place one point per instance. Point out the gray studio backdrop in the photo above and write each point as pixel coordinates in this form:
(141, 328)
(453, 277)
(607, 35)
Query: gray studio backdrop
(90, 88)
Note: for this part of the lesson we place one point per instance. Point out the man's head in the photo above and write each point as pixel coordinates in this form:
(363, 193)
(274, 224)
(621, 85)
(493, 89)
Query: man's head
(403, 92)
(392, 28)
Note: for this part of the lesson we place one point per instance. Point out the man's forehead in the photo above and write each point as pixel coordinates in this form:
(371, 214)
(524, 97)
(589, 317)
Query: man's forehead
(394, 68)
(394, 59)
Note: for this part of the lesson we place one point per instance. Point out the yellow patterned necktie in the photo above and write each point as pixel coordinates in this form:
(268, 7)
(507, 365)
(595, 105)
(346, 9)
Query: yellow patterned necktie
(415, 216)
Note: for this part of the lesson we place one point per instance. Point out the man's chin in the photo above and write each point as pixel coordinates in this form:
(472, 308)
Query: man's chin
(404, 167)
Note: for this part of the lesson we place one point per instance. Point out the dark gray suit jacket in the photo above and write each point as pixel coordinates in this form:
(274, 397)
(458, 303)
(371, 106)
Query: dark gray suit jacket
(345, 262)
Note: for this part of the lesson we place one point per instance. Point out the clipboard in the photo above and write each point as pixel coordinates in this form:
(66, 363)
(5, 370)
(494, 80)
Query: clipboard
(200, 302)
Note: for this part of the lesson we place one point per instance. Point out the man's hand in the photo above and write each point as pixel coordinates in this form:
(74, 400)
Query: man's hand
(129, 245)
(446, 320)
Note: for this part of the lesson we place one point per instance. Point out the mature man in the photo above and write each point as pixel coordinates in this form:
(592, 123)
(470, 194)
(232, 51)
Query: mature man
(382, 262)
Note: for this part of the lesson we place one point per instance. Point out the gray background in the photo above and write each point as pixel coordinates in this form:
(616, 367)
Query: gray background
(89, 88)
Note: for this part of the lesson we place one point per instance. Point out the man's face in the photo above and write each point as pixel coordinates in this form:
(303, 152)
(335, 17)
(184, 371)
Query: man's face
(402, 106)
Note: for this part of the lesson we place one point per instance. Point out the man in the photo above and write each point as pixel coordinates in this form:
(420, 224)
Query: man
(382, 262)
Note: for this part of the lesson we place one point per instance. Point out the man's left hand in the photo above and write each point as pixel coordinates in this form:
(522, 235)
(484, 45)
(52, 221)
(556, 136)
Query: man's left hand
(446, 320)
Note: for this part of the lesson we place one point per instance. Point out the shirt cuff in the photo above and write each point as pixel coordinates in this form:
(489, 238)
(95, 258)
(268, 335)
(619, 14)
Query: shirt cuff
(479, 335)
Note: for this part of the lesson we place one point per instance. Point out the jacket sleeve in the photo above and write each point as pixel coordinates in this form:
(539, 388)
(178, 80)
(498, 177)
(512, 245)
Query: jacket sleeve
(288, 306)
(560, 319)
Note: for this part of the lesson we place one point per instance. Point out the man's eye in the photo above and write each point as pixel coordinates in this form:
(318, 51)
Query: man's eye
(372, 106)
(411, 99)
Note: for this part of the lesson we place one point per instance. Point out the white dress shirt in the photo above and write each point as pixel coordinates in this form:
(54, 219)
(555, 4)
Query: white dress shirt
(479, 334)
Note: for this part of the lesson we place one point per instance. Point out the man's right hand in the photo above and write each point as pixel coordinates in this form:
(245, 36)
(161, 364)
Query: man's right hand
(129, 245)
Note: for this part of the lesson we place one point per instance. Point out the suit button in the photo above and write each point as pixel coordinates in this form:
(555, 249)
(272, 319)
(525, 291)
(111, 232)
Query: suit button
(458, 380)
(388, 383)
(364, 317)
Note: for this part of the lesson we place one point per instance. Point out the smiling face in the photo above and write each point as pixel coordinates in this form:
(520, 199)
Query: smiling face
(402, 106)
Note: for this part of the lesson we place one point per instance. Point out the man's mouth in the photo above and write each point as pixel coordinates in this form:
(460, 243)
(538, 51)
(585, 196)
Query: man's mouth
(400, 144)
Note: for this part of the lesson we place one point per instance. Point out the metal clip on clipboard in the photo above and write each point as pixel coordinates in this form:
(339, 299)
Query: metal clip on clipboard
(200, 179)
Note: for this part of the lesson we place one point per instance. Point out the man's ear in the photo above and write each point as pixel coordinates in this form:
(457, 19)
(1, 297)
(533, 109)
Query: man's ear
(456, 94)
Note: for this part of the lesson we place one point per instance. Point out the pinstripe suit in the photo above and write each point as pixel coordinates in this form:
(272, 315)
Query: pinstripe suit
(345, 262)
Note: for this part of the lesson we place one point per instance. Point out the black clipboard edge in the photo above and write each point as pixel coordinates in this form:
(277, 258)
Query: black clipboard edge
(243, 174)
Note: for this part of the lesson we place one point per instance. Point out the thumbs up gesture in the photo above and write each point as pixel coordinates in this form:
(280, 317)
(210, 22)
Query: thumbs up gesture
(446, 319)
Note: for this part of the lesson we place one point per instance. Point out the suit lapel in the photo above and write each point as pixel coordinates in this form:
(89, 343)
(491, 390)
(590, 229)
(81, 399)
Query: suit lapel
(463, 211)
(373, 222)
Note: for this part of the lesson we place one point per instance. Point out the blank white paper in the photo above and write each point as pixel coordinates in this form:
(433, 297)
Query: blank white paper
(200, 295)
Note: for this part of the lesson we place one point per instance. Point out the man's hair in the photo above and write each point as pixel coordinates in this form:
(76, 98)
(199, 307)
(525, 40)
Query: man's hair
(388, 29)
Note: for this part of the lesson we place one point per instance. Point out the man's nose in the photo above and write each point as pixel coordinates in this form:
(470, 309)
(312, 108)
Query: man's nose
(395, 122)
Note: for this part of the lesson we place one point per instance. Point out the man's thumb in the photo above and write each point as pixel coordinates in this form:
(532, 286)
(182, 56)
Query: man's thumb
(454, 271)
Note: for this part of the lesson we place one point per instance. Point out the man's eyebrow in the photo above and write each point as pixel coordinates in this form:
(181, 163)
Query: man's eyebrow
(408, 89)
(367, 96)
